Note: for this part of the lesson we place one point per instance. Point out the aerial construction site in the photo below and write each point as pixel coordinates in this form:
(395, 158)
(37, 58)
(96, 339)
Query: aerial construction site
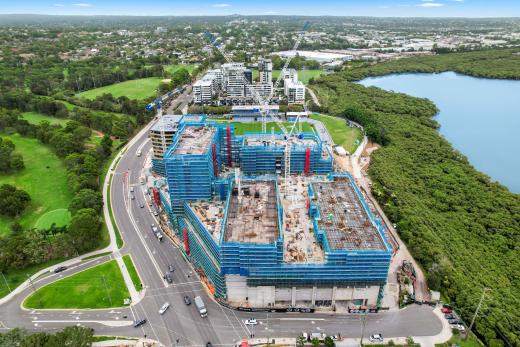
(268, 223)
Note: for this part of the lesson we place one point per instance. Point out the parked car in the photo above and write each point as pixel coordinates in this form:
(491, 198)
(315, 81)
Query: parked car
(164, 307)
(251, 321)
(171, 268)
(168, 278)
(139, 322)
(60, 269)
(446, 310)
(187, 300)
(449, 316)
(459, 327)
(131, 189)
(376, 338)
(208, 344)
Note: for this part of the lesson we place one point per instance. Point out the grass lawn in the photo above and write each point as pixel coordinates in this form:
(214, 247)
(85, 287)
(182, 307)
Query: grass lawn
(256, 127)
(15, 277)
(172, 68)
(85, 289)
(37, 118)
(133, 89)
(133, 272)
(44, 178)
(303, 75)
(472, 341)
(341, 134)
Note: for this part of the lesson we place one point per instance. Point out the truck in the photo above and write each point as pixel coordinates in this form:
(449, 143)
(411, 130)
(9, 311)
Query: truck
(200, 306)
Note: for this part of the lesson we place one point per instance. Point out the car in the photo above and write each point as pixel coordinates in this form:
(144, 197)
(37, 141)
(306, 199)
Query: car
(139, 322)
(171, 268)
(164, 307)
(335, 337)
(376, 338)
(131, 189)
(208, 344)
(459, 327)
(251, 321)
(132, 196)
(60, 269)
(168, 278)
(141, 205)
(187, 300)
(305, 336)
(154, 212)
(446, 310)
(454, 321)
(449, 316)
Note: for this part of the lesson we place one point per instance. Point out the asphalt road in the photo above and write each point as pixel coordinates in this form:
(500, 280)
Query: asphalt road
(181, 325)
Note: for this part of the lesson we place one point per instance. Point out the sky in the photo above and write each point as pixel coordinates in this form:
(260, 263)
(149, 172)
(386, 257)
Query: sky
(379, 8)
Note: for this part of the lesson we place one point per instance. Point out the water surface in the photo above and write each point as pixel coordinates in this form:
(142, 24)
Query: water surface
(480, 117)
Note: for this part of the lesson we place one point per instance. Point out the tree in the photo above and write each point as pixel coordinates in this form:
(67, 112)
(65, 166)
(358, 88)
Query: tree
(106, 145)
(86, 198)
(315, 342)
(300, 341)
(329, 342)
(12, 338)
(84, 229)
(8, 160)
(12, 200)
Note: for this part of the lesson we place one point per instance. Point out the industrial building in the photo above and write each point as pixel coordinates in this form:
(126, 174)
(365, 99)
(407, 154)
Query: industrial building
(259, 238)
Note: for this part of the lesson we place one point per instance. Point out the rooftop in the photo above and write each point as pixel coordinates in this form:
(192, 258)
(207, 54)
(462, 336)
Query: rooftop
(299, 244)
(194, 140)
(343, 218)
(211, 215)
(252, 214)
(167, 122)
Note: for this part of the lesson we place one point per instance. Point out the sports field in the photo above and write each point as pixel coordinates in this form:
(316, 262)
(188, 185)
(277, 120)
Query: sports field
(303, 75)
(340, 132)
(133, 89)
(99, 287)
(45, 179)
(256, 127)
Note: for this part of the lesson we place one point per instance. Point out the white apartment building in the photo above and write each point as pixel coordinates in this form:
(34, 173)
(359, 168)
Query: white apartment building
(233, 79)
(265, 69)
(263, 89)
(290, 74)
(295, 91)
(202, 91)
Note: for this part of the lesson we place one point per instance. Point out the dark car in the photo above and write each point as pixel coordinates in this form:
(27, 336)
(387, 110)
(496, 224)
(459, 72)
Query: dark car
(60, 269)
(187, 300)
(208, 344)
(171, 268)
(455, 321)
(449, 316)
(168, 278)
(141, 205)
(139, 322)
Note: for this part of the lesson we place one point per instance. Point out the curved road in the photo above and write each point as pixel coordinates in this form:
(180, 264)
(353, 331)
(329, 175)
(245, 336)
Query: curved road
(181, 325)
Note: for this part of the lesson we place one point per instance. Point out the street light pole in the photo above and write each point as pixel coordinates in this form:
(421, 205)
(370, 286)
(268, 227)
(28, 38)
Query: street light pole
(363, 327)
(476, 311)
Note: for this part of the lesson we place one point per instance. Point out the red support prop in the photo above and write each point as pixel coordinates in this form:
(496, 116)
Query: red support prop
(156, 196)
(307, 167)
(215, 167)
(186, 242)
(230, 160)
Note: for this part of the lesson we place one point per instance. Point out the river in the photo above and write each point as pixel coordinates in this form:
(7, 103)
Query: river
(480, 117)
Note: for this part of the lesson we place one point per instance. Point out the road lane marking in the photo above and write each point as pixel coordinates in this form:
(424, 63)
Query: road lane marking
(308, 319)
(109, 323)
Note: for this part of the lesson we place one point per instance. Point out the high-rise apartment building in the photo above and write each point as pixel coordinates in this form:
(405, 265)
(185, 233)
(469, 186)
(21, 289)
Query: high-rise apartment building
(265, 69)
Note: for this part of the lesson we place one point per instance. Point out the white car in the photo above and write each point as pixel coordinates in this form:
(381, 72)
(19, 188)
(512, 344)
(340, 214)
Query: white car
(251, 321)
(459, 327)
(164, 307)
(376, 338)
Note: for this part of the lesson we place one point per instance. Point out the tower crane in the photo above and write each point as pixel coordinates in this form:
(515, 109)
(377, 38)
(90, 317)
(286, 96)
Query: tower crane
(264, 102)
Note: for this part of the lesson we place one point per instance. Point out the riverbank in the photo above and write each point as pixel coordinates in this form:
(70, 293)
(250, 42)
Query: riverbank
(450, 215)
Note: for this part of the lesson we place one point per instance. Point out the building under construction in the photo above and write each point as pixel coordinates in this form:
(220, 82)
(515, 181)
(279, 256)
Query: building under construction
(262, 238)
